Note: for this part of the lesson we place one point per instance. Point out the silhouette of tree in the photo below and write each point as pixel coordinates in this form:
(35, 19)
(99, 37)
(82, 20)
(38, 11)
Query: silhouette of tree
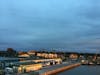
(11, 52)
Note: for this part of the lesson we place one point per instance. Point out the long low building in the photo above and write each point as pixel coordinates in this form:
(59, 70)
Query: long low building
(26, 65)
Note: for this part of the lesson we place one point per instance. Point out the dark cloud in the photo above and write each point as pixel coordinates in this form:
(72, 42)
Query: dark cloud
(49, 24)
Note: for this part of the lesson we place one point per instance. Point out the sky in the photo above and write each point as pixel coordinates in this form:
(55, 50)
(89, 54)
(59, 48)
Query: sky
(60, 24)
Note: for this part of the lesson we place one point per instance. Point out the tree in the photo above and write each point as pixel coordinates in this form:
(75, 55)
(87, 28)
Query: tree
(11, 52)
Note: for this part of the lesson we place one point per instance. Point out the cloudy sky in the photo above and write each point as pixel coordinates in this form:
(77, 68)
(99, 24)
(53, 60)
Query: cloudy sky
(34, 24)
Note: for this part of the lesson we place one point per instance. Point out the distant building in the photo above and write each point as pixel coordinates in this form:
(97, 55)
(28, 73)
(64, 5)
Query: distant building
(32, 52)
(24, 56)
(73, 56)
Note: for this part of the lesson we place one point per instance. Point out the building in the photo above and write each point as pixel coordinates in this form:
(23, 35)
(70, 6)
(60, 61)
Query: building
(73, 56)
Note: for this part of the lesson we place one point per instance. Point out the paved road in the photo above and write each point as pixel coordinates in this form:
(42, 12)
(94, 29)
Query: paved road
(49, 68)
